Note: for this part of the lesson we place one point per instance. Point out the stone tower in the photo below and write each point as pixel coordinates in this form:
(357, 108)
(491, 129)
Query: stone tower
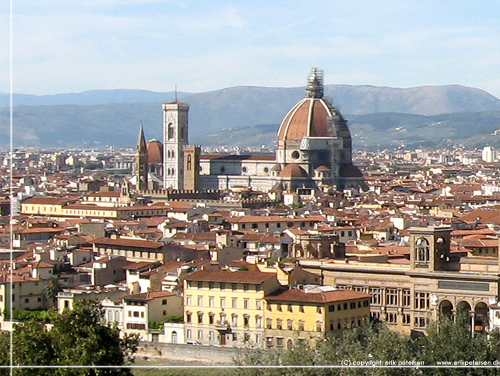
(175, 137)
(191, 166)
(141, 162)
(430, 248)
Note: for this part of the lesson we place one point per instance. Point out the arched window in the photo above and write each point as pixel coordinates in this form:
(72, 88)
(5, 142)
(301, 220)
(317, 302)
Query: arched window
(171, 132)
(422, 250)
(188, 162)
(174, 337)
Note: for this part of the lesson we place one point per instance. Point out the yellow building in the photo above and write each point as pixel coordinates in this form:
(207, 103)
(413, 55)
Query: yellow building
(226, 308)
(26, 293)
(251, 308)
(309, 313)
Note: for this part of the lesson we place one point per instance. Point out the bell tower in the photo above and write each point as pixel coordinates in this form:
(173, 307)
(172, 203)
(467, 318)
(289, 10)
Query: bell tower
(175, 137)
(429, 248)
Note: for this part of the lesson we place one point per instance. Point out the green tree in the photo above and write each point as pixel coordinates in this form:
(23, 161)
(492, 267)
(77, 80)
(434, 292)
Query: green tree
(77, 338)
(51, 289)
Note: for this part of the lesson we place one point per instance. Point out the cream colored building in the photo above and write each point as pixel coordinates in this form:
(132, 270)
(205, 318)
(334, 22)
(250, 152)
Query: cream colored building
(407, 294)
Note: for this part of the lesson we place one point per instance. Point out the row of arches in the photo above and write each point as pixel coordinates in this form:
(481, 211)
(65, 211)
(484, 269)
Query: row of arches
(479, 315)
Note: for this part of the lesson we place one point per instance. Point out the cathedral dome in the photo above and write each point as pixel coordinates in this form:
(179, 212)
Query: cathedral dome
(293, 170)
(313, 116)
(308, 118)
(155, 151)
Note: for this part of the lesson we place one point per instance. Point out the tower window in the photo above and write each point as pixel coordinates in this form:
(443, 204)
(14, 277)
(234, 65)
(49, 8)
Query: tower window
(295, 155)
(182, 132)
(188, 162)
(170, 131)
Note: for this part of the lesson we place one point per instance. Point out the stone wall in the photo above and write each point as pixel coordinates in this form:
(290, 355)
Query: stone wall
(187, 353)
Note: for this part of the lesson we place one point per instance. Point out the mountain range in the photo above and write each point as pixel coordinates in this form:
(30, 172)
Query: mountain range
(426, 116)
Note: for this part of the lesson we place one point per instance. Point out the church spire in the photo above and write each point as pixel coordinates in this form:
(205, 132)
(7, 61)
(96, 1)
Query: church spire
(141, 162)
(314, 88)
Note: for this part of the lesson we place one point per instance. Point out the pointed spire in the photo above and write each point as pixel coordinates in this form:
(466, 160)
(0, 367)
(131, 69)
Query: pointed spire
(141, 141)
(314, 88)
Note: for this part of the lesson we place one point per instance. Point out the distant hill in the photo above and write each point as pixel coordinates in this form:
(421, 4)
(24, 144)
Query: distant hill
(386, 130)
(112, 117)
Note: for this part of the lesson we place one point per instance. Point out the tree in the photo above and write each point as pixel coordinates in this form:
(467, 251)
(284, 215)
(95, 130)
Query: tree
(51, 289)
(77, 338)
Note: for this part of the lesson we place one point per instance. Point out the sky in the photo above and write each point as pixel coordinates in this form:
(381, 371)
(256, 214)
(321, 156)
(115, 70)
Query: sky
(63, 46)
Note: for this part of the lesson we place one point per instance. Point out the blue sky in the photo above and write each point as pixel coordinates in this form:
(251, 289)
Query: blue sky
(73, 46)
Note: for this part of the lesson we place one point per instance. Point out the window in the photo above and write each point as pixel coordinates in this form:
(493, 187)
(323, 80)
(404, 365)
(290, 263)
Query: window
(269, 323)
(211, 318)
(406, 298)
(289, 324)
(422, 300)
(301, 324)
(331, 308)
(406, 319)
(392, 318)
(422, 250)
(234, 286)
(278, 307)
(258, 288)
(200, 317)
(269, 306)
(301, 308)
(200, 334)
(258, 322)
(391, 297)
(211, 335)
(200, 301)
(211, 301)
(223, 302)
(290, 309)
(376, 295)
(319, 326)
(279, 324)
(188, 333)
(210, 285)
(234, 302)
(245, 287)
(258, 304)
(164, 302)
(135, 314)
(279, 341)
(200, 285)
(318, 309)
(269, 341)
(246, 321)
(234, 320)
(245, 303)
(345, 306)
(420, 322)
(188, 300)
(222, 286)
(188, 317)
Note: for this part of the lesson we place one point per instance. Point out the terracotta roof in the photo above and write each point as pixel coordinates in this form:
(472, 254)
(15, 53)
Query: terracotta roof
(308, 118)
(293, 170)
(149, 295)
(155, 152)
(136, 243)
(46, 201)
(299, 295)
(226, 276)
